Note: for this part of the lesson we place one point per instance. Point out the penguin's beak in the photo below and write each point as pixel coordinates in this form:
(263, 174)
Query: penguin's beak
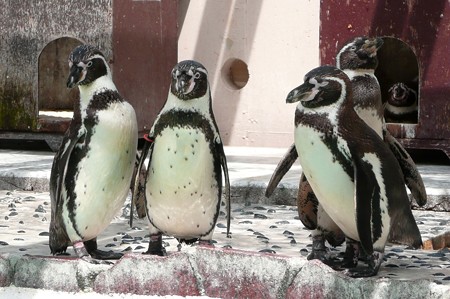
(372, 45)
(301, 93)
(184, 84)
(76, 75)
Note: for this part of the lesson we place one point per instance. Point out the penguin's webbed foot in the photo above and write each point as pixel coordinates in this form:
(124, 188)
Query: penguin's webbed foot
(155, 246)
(82, 253)
(350, 259)
(94, 252)
(351, 254)
(94, 261)
(324, 256)
(105, 255)
(64, 253)
(320, 252)
(372, 268)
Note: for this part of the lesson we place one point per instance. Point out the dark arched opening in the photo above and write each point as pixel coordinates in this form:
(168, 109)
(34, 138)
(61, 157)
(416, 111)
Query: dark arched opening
(398, 74)
(55, 100)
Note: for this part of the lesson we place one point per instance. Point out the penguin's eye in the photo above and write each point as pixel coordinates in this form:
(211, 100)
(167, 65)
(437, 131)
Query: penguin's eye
(317, 82)
(353, 48)
(197, 75)
(89, 64)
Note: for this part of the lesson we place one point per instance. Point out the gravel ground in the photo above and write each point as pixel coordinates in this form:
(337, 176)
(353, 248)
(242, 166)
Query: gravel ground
(25, 217)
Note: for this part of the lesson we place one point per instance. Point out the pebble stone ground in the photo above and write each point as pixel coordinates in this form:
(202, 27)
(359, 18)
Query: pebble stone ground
(273, 229)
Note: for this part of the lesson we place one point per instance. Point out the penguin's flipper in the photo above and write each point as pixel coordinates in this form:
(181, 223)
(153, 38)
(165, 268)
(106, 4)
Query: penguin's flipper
(366, 191)
(139, 200)
(223, 162)
(368, 197)
(282, 168)
(59, 168)
(138, 188)
(58, 239)
(410, 172)
(307, 204)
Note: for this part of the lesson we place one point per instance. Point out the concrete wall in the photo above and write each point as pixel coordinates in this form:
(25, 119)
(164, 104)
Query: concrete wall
(279, 43)
(26, 27)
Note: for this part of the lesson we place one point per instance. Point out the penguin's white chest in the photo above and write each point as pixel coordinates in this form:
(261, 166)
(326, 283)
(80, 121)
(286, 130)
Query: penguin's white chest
(182, 190)
(331, 184)
(104, 174)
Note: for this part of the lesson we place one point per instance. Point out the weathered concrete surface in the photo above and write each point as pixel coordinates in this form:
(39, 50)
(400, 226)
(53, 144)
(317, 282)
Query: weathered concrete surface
(149, 275)
(5, 271)
(58, 274)
(223, 273)
(26, 28)
(240, 274)
(317, 280)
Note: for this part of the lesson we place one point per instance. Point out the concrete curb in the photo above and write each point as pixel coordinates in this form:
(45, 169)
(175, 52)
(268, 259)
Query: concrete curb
(212, 272)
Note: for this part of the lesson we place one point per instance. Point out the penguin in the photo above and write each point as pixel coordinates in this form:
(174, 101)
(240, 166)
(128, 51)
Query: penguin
(92, 170)
(401, 105)
(183, 188)
(355, 176)
(358, 59)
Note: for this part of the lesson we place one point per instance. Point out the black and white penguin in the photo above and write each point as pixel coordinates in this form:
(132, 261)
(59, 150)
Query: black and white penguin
(401, 104)
(184, 179)
(352, 171)
(358, 59)
(92, 171)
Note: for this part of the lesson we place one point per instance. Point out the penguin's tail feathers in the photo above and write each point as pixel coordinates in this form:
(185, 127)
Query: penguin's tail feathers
(58, 239)
(404, 231)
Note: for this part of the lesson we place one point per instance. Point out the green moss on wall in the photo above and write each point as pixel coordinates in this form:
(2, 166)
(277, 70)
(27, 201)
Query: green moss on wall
(16, 106)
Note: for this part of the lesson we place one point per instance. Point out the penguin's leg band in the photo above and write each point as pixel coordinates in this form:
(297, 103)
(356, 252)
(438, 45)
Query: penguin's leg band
(148, 139)
(80, 249)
